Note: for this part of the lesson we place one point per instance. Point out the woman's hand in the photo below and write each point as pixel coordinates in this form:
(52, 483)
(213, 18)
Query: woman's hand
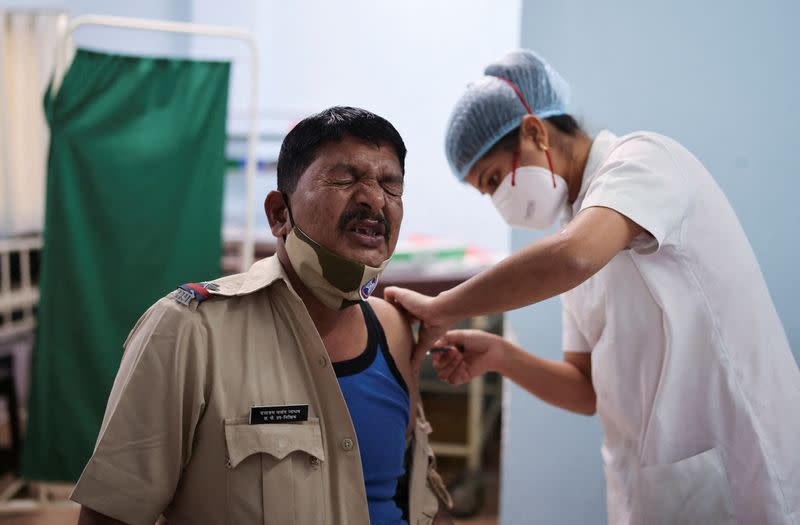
(427, 311)
(470, 353)
(566, 384)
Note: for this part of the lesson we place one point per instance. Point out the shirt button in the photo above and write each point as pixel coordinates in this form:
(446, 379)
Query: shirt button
(347, 444)
(322, 362)
(315, 461)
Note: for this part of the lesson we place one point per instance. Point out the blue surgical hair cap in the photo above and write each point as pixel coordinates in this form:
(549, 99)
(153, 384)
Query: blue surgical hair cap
(491, 106)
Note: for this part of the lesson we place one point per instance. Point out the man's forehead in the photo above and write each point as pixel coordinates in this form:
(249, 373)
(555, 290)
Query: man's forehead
(361, 155)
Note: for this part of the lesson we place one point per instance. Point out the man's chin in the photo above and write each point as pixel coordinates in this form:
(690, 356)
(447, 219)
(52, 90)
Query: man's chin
(370, 251)
(369, 256)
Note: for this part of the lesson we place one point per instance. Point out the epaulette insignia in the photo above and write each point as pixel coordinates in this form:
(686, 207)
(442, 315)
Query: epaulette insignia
(208, 285)
(185, 293)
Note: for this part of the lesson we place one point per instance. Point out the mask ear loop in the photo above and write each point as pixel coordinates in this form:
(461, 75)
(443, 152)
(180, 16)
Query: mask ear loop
(518, 92)
(286, 201)
(514, 165)
(291, 219)
(550, 164)
(516, 151)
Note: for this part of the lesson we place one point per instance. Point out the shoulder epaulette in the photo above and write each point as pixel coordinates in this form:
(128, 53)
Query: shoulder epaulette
(186, 293)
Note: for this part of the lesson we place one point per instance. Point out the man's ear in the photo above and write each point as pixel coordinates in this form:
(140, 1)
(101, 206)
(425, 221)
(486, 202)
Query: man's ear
(277, 214)
(533, 129)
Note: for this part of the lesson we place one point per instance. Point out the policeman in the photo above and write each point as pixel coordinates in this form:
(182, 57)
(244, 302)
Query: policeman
(284, 394)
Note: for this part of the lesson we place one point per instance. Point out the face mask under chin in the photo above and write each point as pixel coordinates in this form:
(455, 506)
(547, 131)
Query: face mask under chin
(336, 281)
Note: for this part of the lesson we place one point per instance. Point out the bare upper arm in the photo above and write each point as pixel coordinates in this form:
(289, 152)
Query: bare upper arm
(401, 343)
(597, 234)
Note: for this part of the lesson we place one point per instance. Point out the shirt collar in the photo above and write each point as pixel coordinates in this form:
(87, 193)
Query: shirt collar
(260, 275)
(601, 146)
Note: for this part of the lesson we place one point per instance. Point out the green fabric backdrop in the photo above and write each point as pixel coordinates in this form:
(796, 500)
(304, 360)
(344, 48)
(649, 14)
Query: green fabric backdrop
(134, 208)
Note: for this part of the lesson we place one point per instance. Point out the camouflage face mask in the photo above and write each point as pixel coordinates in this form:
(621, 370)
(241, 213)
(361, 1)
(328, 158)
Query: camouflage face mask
(338, 282)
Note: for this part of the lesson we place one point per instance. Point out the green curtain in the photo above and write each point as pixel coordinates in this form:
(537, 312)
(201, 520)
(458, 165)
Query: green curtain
(134, 209)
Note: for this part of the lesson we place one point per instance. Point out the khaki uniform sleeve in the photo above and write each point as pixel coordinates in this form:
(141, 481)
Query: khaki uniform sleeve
(148, 428)
(426, 489)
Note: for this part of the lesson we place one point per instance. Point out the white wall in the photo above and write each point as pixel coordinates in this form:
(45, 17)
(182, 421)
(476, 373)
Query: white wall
(407, 61)
(116, 40)
(719, 77)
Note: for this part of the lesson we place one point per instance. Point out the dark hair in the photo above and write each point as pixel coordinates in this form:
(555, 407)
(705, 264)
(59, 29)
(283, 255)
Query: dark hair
(566, 124)
(300, 146)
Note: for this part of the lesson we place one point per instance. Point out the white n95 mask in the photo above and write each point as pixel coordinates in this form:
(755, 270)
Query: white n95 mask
(532, 197)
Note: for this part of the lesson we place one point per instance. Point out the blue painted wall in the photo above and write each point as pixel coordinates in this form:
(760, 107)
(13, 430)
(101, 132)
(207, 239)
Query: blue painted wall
(721, 77)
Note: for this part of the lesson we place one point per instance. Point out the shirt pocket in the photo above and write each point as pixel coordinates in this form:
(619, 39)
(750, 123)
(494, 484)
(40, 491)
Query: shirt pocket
(275, 472)
(694, 490)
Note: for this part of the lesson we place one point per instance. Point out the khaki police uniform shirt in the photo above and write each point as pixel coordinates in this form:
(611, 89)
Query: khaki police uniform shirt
(176, 439)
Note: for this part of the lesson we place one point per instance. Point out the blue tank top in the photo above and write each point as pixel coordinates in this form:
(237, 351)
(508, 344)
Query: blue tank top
(377, 399)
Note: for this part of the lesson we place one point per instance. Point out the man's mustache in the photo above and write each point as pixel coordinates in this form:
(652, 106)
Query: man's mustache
(365, 215)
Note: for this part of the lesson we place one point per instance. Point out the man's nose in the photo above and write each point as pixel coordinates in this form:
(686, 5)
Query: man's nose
(370, 194)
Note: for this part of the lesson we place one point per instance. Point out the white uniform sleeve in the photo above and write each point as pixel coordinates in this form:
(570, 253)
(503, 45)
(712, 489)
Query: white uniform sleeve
(572, 338)
(641, 180)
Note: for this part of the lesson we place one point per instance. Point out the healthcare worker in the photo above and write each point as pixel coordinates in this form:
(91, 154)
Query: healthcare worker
(669, 331)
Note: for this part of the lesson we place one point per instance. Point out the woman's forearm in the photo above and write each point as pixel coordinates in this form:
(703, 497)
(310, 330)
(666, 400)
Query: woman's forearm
(542, 270)
(548, 267)
(559, 383)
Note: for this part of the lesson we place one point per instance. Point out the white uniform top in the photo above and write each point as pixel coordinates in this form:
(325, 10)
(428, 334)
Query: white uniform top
(697, 389)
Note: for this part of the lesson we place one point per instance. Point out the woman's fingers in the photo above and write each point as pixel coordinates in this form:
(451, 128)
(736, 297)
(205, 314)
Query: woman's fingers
(454, 337)
(450, 365)
(411, 301)
(464, 374)
(459, 375)
(449, 362)
(443, 355)
(440, 360)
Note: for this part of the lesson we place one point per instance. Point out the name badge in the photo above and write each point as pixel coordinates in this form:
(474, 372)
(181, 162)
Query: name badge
(278, 414)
